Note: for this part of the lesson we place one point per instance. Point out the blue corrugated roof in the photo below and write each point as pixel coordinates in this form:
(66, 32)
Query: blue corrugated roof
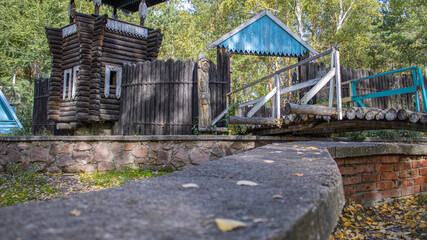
(264, 34)
(8, 119)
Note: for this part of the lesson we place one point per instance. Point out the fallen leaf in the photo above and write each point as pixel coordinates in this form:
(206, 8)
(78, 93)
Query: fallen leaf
(76, 213)
(228, 224)
(269, 161)
(278, 151)
(260, 220)
(298, 174)
(277, 196)
(246, 183)
(312, 148)
(190, 185)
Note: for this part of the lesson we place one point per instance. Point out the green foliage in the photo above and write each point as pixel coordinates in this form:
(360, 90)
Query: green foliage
(19, 186)
(115, 178)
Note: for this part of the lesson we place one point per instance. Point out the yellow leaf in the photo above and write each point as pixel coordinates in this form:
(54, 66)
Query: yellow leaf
(228, 224)
(312, 148)
(298, 174)
(268, 161)
(423, 225)
(260, 220)
(246, 183)
(345, 219)
(75, 212)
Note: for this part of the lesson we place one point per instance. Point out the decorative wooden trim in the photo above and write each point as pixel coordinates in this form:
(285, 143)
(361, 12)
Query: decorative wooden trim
(64, 88)
(108, 70)
(69, 30)
(126, 28)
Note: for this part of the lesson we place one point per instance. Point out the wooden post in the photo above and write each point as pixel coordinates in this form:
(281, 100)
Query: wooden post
(142, 12)
(72, 11)
(204, 95)
(276, 108)
(223, 66)
(96, 4)
(338, 79)
(331, 82)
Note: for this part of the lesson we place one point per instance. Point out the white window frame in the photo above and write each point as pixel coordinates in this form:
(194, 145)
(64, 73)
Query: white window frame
(74, 89)
(108, 70)
(68, 82)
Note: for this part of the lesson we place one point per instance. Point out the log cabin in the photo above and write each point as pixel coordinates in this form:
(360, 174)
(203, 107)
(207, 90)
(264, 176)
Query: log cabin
(87, 62)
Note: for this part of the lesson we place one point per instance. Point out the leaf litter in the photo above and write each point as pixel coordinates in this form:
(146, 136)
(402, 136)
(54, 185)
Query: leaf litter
(398, 219)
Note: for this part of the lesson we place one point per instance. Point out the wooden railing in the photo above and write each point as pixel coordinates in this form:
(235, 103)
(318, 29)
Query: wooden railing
(277, 91)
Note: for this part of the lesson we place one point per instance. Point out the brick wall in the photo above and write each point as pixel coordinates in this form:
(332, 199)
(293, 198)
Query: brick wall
(373, 179)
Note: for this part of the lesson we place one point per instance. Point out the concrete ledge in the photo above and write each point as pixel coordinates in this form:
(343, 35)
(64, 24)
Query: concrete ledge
(157, 138)
(304, 174)
(352, 149)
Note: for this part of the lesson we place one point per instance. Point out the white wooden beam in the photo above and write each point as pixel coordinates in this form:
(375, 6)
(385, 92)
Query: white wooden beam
(262, 102)
(318, 86)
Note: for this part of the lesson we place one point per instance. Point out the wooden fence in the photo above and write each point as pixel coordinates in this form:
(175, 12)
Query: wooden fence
(40, 122)
(378, 84)
(160, 98)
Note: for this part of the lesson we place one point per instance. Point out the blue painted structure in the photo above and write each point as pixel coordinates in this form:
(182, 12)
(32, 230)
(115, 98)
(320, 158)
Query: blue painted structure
(264, 34)
(8, 119)
(418, 84)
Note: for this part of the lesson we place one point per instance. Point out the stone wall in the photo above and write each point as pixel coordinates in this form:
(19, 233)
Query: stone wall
(90, 154)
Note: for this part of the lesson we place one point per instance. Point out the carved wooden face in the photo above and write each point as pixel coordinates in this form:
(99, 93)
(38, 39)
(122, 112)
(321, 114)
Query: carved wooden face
(205, 66)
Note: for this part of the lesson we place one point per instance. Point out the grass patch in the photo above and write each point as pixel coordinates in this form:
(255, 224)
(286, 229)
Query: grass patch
(115, 178)
(18, 186)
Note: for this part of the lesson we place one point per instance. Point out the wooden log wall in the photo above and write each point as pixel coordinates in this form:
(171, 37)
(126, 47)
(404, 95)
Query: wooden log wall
(54, 37)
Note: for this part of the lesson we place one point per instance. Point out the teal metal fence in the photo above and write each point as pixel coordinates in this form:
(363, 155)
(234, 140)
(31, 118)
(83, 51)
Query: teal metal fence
(418, 88)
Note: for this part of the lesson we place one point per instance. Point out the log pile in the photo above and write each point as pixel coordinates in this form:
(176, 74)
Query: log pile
(314, 119)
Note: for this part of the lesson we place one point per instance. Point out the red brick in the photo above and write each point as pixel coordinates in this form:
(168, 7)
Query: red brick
(349, 191)
(372, 196)
(365, 168)
(348, 170)
(366, 187)
(419, 164)
(352, 180)
(339, 161)
(410, 190)
(390, 159)
(423, 171)
(402, 166)
(385, 185)
(401, 183)
(391, 193)
(355, 198)
(420, 180)
(384, 167)
(389, 175)
(408, 174)
(423, 187)
(371, 177)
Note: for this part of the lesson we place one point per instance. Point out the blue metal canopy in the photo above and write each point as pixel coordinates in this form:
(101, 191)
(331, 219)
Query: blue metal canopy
(264, 34)
(8, 119)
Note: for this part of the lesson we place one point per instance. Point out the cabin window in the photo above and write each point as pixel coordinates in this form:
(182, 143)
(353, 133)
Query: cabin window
(75, 80)
(113, 77)
(66, 89)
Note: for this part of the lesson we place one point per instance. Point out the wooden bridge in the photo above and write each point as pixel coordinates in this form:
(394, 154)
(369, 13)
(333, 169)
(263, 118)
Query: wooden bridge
(300, 118)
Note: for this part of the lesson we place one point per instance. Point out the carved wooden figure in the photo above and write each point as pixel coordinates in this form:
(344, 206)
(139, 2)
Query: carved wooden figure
(203, 90)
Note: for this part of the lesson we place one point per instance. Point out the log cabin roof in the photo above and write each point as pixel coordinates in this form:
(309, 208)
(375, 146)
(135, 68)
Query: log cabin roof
(130, 5)
(264, 34)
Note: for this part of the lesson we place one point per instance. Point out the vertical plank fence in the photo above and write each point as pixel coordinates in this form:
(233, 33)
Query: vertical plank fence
(160, 98)
(40, 122)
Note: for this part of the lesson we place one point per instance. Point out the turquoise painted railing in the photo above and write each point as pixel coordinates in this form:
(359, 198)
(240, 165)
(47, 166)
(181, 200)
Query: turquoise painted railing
(418, 84)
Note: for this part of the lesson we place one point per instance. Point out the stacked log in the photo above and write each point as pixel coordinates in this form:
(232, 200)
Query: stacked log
(54, 37)
(85, 25)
